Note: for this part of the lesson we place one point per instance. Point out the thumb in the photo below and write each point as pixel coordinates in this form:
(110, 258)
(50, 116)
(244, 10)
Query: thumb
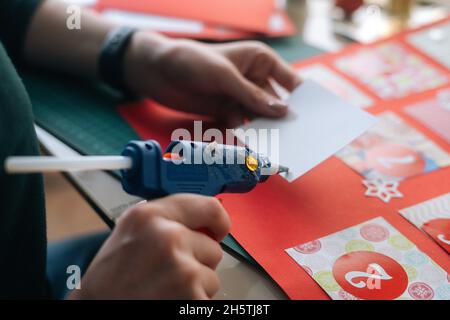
(252, 97)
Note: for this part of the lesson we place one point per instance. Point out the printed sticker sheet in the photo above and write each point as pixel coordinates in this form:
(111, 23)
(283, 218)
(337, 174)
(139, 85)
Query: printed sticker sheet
(393, 150)
(432, 217)
(371, 261)
(433, 112)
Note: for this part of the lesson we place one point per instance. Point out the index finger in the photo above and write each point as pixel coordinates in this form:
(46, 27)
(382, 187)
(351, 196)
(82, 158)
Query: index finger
(196, 212)
(284, 74)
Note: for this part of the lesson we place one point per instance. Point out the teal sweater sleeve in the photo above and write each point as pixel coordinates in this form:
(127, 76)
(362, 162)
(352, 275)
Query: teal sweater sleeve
(22, 214)
(15, 16)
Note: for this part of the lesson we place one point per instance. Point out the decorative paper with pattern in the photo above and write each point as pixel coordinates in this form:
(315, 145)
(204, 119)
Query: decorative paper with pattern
(434, 113)
(391, 71)
(433, 217)
(434, 42)
(393, 151)
(335, 83)
(372, 260)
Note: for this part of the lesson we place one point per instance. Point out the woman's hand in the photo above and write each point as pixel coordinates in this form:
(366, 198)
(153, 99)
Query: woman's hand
(156, 252)
(226, 81)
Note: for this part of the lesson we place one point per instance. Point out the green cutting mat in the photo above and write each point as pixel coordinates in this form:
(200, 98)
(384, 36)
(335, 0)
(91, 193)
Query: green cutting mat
(81, 114)
(84, 115)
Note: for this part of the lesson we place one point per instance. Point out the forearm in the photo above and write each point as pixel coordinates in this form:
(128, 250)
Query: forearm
(49, 43)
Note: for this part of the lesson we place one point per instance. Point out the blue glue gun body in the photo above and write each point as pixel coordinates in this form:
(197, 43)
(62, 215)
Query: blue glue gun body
(191, 167)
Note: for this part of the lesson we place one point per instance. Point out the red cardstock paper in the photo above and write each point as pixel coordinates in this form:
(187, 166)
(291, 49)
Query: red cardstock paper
(278, 215)
(249, 15)
(217, 32)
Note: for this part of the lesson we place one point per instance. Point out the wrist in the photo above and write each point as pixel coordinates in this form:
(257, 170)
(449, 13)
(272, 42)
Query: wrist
(142, 60)
(112, 56)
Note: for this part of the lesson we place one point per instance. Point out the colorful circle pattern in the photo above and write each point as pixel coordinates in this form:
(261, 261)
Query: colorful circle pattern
(374, 232)
(309, 247)
(420, 291)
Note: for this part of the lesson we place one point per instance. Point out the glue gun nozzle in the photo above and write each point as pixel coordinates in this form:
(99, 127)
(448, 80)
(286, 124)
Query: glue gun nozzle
(282, 169)
(277, 169)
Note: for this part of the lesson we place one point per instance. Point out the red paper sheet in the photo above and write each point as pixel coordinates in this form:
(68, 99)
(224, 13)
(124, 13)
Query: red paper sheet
(278, 215)
(219, 33)
(249, 15)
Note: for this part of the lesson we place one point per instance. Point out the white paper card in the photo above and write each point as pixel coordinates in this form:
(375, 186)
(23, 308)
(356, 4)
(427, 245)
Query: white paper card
(318, 125)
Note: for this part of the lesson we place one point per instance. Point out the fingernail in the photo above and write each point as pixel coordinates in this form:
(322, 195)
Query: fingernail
(278, 105)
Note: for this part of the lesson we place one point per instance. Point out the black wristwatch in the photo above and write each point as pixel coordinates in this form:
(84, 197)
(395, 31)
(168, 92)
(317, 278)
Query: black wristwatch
(111, 60)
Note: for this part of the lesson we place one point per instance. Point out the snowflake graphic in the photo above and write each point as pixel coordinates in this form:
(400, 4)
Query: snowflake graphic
(383, 190)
